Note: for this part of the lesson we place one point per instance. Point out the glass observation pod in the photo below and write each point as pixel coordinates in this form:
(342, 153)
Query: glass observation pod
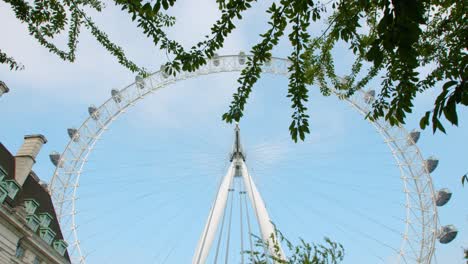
(216, 60)
(55, 158)
(431, 164)
(93, 112)
(443, 196)
(73, 134)
(242, 57)
(369, 96)
(140, 82)
(413, 137)
(162, 69)
(116, 96)
(447, 234)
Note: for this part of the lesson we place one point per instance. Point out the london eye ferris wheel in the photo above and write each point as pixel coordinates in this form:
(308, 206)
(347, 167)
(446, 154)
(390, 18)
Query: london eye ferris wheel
(420, 227)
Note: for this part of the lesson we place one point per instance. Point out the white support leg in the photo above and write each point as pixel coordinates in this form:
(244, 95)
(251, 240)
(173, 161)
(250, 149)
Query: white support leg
(237, 168)
(266, 226)
(216, 213)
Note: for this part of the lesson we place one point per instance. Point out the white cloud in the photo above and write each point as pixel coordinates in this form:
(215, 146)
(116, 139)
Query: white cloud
(95, 71)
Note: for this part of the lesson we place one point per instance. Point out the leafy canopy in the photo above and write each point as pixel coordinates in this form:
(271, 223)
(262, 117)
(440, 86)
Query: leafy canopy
(393, 39)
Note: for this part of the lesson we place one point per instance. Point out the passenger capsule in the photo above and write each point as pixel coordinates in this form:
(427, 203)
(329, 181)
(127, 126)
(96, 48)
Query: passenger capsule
(140, 82)
(216, 60)
(413, 137)
(55, 158)
(116, 96)
(431, 164)
(447, 234)
(73, 134)
(93, 112)
(242, 57)
(163, 71)
(443, 196)
(369, 96)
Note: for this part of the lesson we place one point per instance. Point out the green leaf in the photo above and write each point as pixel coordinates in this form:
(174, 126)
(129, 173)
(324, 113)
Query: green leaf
(425, 120)
(165, 4)
(448, 84)
(450, 112)
(437, 125)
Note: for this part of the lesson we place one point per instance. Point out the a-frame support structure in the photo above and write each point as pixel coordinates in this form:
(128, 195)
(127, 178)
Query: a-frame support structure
(237, 168)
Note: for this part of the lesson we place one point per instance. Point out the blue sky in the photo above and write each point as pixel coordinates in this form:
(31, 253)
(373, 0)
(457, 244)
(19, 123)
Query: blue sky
(147, 188)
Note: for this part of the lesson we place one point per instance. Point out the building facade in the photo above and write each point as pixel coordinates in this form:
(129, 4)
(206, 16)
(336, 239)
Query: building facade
(29, 230)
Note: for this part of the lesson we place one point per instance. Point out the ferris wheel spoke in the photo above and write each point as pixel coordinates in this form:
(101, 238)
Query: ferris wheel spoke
(153, 210)
(126, 179)
(262, 166)
(345, 228)
(167, 181)
(114, 210)
(321, 213)
(280, 182)
(309, 157)
(356, 212)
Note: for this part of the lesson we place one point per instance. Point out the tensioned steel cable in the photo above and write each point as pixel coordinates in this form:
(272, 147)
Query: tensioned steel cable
(248, 226)
(113, 209)
(345, 207)
(113, 234)
(345, 228)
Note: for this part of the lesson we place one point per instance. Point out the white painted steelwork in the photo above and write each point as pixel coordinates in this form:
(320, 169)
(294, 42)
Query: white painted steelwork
(267, 229)
(206, 240)
(421, 225)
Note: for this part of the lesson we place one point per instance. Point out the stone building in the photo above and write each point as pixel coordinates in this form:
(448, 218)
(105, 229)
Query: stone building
(29, 230)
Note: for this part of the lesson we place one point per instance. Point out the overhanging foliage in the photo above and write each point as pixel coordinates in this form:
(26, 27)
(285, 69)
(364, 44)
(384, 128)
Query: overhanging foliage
(396, 39)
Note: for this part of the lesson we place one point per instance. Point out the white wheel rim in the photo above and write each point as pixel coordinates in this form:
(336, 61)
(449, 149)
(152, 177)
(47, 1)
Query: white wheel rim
(420, 232)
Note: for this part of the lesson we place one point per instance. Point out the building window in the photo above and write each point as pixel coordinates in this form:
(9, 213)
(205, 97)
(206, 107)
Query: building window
(3, 174)
(30, 205)
(33, 222)
(47, 235)
(3, 193)
(19, 251)
(12, 187)
(36, 260)
(60, 246)
(45, 218)
(3, 185)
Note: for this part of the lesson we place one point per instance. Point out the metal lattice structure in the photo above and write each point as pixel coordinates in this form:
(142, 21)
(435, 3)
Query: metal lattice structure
(421, 224)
